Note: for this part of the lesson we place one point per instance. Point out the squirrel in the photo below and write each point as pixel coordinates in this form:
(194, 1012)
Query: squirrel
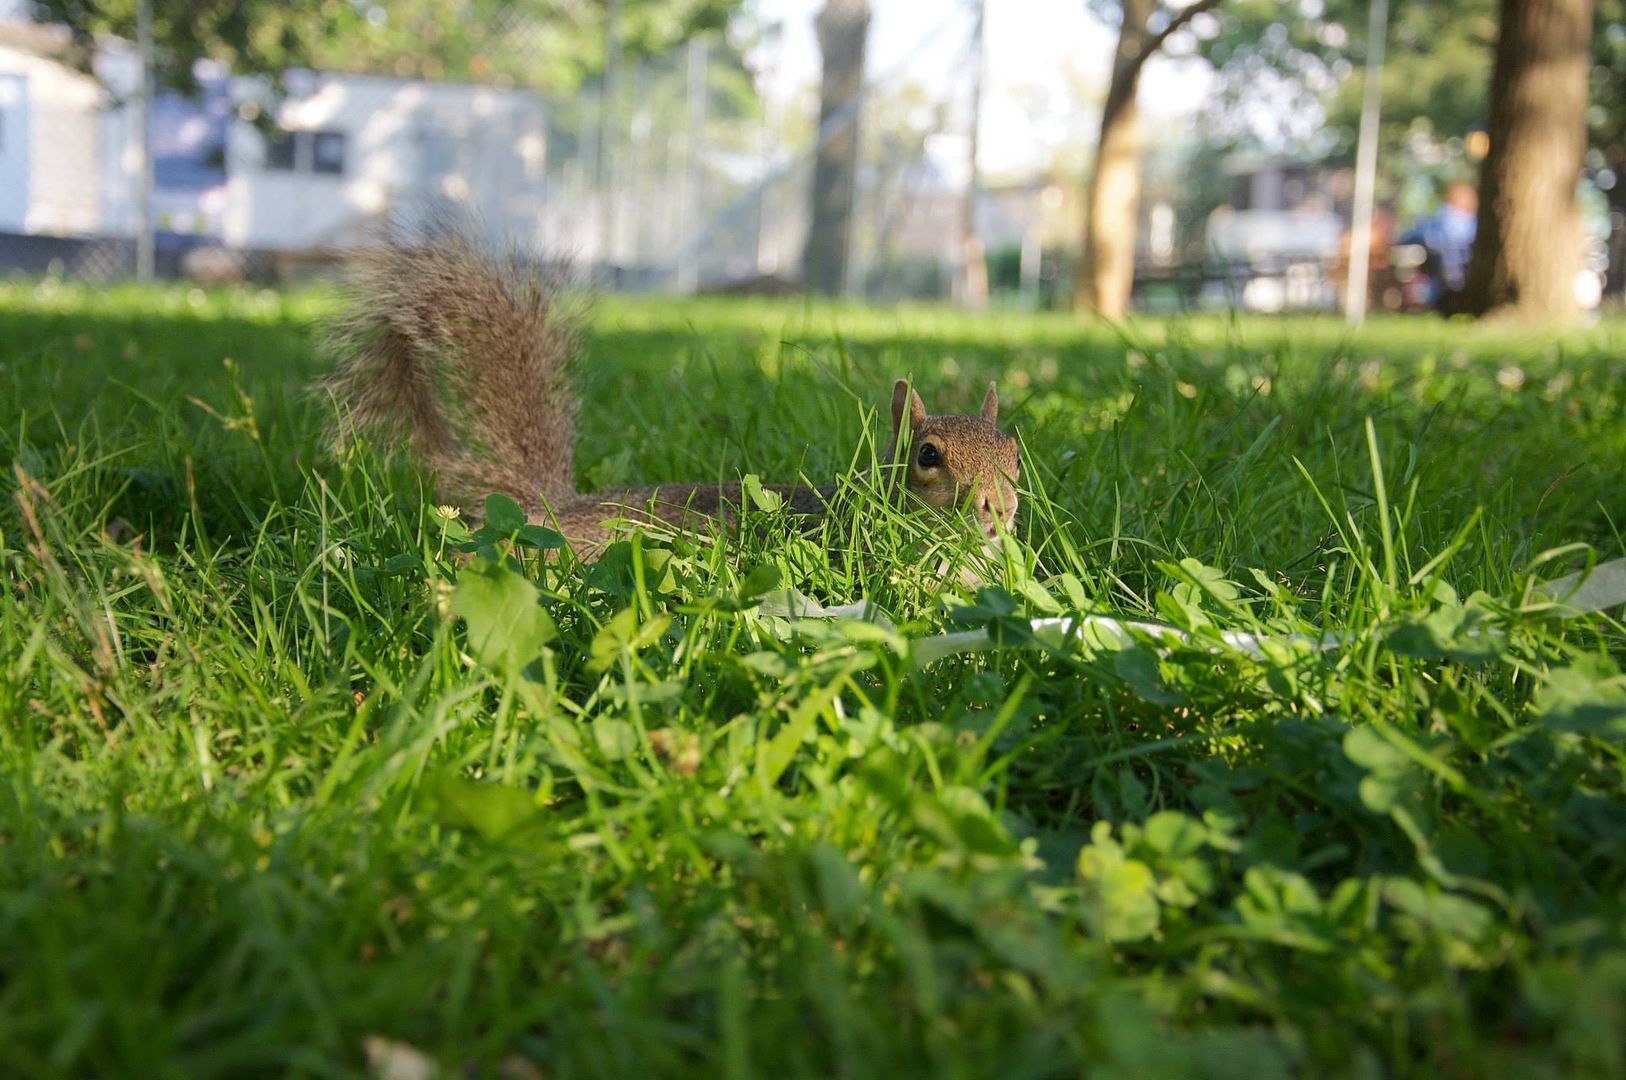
(463, 357)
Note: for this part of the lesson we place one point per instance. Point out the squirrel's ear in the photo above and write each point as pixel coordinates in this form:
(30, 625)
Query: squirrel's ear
(902, 395)
(990, 403)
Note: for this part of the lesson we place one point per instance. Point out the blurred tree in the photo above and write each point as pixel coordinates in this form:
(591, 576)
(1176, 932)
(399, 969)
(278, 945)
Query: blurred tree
(545, 44)
(843, 28)
(1107, 268)
(1528, 249)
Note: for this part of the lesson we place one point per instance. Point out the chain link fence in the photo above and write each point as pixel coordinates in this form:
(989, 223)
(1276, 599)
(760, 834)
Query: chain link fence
(693, 173)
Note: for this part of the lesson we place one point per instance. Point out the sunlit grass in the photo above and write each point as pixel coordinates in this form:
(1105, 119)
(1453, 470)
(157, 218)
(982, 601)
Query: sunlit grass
(266, 802)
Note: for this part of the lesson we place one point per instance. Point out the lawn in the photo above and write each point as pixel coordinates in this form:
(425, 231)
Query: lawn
(268, 804)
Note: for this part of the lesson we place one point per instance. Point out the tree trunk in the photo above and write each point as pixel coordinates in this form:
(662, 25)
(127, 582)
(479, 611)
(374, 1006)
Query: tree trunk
(1528, 248)
(1106, 269)
(843, 27)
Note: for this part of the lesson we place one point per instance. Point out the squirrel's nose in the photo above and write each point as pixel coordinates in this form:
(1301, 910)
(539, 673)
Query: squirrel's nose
(995, 504)
(1000, 506)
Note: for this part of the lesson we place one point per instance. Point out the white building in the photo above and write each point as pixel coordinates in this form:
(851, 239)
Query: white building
(352, 148)
(357, 147)
(53, 149)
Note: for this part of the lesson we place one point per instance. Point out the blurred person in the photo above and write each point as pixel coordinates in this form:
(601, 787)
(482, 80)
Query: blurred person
(1382, 290)
(1448, 236)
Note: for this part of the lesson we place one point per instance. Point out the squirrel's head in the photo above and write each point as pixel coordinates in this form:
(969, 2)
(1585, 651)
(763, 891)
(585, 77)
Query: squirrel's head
(955, 460)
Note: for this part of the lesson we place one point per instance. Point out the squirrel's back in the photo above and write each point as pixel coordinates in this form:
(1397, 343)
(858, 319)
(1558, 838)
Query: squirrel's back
(463, 357)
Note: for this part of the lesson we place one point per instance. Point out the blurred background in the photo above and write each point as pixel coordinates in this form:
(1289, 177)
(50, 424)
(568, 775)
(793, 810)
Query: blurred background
(1112, 155)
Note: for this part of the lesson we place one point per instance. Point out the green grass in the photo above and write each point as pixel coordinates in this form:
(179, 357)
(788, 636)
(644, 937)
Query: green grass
(264, 800)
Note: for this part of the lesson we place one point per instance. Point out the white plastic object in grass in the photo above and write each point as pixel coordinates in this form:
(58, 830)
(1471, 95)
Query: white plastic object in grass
(1580, 593)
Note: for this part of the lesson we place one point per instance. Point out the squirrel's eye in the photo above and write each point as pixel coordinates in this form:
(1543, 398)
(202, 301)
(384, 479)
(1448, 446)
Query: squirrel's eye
(929, 457)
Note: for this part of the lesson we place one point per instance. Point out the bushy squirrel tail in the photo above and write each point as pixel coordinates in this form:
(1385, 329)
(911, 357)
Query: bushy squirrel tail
(463, 356)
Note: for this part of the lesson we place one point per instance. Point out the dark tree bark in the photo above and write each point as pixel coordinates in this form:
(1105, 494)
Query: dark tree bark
(1106, 269)
(1528, 248)
(843, 28)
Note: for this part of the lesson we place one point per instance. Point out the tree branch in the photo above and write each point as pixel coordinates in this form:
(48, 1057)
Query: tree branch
(1180, 19)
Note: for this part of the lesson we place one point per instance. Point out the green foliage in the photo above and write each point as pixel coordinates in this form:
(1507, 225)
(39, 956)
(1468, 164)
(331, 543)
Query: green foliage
(1436, 78)
(507, 625)
(1606, 103)
(1463, 632)
(298, 768)
(1588, 698)
(549, 44)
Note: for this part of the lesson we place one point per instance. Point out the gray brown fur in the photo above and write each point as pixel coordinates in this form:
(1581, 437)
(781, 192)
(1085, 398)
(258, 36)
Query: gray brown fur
(976, 463)
(465, 358)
